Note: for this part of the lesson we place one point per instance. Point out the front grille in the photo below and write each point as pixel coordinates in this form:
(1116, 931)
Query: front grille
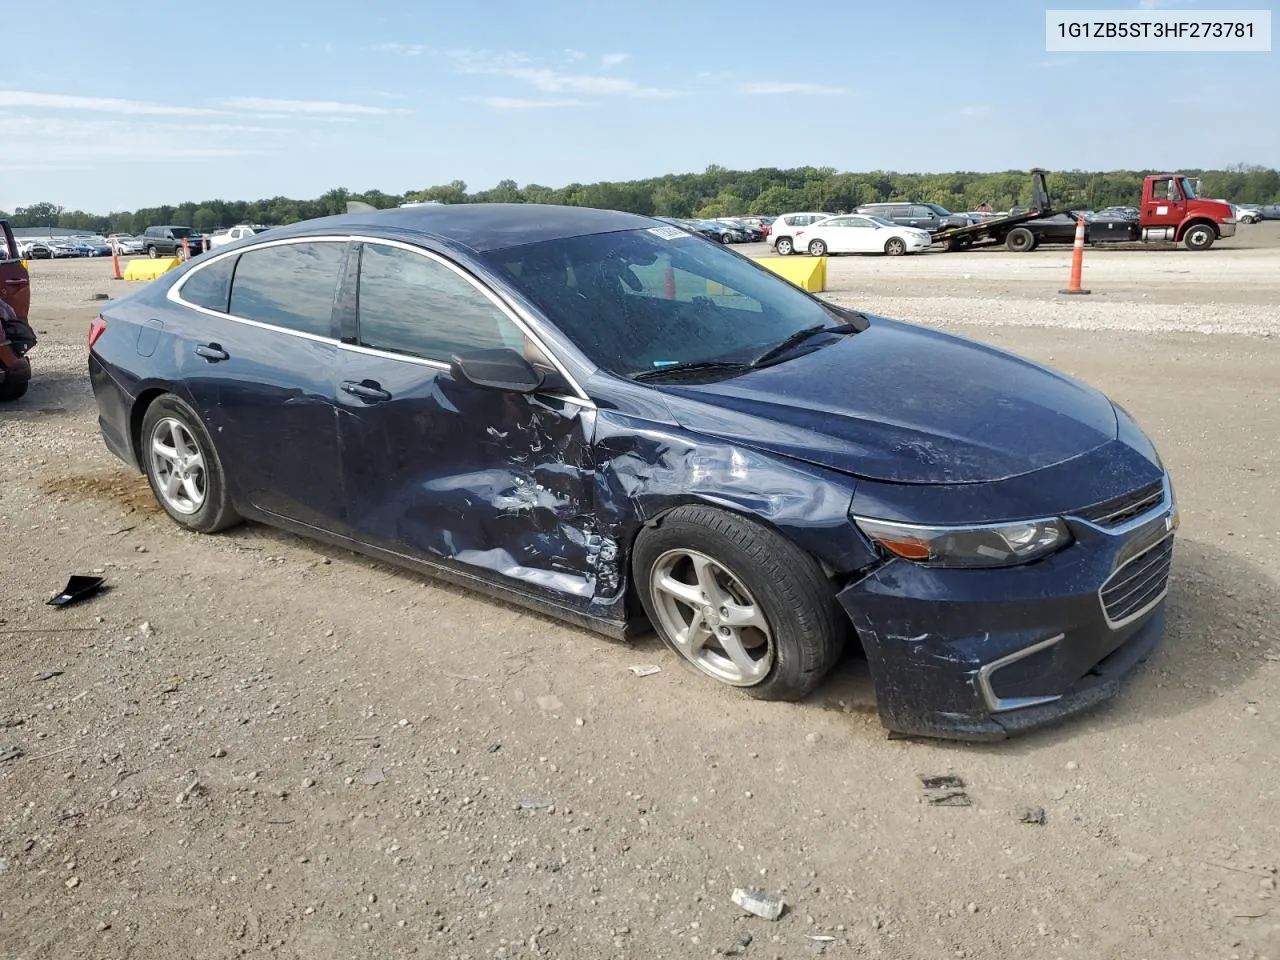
(1121, 509)
(1138, 584)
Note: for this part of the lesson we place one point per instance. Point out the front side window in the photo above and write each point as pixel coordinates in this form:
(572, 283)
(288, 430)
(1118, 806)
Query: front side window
(414, 305)
(1160, 189)
(210, 286)
(638, 300)
(290, 286)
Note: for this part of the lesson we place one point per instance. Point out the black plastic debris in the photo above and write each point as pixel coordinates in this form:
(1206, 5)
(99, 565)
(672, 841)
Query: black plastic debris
(1032, 815)
(944, 791)
(46, 675)
(78, 588)
(12, 753)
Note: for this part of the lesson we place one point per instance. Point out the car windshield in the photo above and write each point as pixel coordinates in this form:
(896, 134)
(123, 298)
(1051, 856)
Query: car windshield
(182, 231)
(1188, 188)
(882, 221)
(940, 211)
(639, 300)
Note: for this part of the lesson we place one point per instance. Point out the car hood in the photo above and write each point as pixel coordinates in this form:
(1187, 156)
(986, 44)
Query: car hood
(904, 404)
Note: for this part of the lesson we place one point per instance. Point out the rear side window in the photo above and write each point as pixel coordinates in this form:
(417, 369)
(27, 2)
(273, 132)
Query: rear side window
(290, 286)
(210, 286)
(414, 305)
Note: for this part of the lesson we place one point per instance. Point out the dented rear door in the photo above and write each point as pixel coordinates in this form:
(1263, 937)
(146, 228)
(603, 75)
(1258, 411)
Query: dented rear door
(493, 482)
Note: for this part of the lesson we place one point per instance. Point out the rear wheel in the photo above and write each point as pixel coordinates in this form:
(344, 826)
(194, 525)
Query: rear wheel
(784, 247)
(1199, 237)
(1020, 240)
(183, 467)
(817, 248)
(739, 602)
(153, 253)
(895, 246)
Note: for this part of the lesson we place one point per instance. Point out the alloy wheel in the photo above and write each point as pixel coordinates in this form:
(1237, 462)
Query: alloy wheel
(178, 466)
(711, 617)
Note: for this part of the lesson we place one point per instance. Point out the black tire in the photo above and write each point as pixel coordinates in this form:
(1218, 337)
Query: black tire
(784, 247)
(797, 600)
(1199, 236)
(153, 253)
(1020, 240)
(13, 388)
(216, 512)
(817, 248)
(895, 247)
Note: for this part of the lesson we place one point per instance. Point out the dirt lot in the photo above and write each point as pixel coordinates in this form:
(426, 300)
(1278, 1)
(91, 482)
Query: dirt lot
(253, 745)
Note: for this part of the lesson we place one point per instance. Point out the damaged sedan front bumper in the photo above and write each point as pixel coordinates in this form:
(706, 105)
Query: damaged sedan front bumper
(982, 654)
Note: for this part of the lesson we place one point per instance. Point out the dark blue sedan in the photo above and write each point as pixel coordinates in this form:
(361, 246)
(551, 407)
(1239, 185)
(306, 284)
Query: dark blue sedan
(611, 420)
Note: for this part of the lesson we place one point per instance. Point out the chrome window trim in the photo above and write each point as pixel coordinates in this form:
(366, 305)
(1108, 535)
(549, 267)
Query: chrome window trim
(523, 323)
(996, 704)
(174, 293)
(1137, 614)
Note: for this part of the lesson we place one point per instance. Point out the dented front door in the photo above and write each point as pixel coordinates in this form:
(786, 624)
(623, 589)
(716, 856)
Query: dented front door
(491, 481)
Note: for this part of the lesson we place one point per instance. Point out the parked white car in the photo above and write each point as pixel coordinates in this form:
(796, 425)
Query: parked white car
(223, 237)
(783, 232)
(125, 245)
(859, 233)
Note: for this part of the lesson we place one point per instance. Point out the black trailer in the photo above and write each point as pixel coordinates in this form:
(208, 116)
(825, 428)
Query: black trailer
(1009, 230)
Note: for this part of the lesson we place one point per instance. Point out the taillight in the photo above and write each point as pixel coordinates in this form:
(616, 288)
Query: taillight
(96, 330)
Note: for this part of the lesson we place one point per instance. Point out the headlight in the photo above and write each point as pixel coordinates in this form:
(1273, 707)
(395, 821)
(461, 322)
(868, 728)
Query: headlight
(986, 545)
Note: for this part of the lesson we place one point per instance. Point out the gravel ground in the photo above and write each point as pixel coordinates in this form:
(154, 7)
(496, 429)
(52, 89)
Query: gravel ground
(252, 745)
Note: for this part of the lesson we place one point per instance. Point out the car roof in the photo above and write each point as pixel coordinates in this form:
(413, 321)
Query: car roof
(477, 226)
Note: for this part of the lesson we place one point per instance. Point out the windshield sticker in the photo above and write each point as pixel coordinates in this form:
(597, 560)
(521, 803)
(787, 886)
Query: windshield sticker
(665, 363)
(668, 233)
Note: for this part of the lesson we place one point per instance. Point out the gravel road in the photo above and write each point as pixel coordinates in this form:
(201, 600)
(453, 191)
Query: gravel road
(253, 745)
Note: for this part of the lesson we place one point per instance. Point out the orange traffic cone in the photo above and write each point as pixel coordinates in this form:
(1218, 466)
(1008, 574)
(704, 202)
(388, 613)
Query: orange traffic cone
(1077, 261)
(669, 284)
(186, 250)
(115, 263)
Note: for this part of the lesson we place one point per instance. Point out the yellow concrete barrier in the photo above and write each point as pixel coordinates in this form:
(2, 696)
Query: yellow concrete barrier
(149, 269)
(807, 273)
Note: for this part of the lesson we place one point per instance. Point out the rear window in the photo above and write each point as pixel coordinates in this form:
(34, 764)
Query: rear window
(210, 286)
(181, 231)
(290, 286)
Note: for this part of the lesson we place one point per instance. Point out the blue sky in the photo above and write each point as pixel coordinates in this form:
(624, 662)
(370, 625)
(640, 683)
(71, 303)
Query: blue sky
(240, 100)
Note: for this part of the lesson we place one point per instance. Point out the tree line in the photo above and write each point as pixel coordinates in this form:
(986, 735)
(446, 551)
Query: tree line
(716, 192)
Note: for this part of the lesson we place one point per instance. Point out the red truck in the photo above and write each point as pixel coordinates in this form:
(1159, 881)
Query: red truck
(1170, 212)
(16, 335)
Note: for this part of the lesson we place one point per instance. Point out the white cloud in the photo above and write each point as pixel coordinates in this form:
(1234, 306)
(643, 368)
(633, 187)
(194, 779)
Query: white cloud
(768, 88)
(519, 66)
(53, 140)
(405, 49)
(300, 107)
(526, 103)
(59, 101)
(614, 59)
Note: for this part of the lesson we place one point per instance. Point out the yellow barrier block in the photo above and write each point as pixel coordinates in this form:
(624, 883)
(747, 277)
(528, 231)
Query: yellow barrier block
(807, 273)
(149, 269)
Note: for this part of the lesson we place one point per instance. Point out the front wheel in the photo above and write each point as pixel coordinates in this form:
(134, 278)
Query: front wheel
(13, 388)
(739, 602)
(153, 253)
(784, 247)
(817, 248)
(1199, 237)
(183, 467)
(895, 246)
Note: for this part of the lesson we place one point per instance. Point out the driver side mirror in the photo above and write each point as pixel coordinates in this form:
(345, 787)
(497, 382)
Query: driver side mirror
(500, 368)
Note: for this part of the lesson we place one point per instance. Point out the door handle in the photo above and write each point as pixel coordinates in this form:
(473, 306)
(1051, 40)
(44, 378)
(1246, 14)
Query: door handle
(368, 390)
(212, 352)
